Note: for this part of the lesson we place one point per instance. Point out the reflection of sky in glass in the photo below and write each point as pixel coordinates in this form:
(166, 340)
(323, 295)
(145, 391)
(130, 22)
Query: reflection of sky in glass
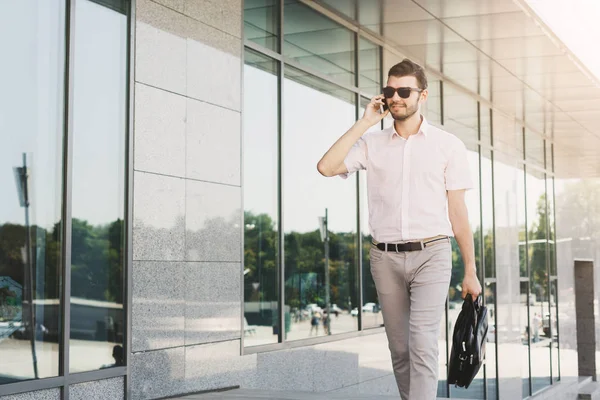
(32, 113)
(313, 121)
(31, 74)
(260, 142)
(99, 114)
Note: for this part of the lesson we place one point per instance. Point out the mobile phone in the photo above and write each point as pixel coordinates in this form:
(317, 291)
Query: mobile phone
(385, 106)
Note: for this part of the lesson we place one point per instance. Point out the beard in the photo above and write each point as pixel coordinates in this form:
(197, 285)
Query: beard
(404, 113)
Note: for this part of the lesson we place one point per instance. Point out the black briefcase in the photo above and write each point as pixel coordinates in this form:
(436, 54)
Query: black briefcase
(468, 342)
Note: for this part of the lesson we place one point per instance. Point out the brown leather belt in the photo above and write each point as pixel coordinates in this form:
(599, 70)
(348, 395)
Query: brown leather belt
(410, 246)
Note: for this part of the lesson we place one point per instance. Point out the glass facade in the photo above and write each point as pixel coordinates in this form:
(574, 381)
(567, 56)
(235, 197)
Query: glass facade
(325, 85)
(66, 202)
(63, 147)
(31, 161)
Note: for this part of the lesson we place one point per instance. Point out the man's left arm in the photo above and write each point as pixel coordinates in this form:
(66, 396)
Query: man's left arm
(459, 218)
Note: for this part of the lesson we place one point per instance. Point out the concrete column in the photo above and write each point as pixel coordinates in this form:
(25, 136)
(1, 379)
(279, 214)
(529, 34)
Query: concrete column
(584, 310)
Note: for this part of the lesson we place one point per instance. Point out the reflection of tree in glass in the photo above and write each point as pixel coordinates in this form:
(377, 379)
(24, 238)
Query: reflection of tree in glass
(97, 259)
(45, 256)
(537, 251)
(260, 257)
(458, 266)
(304, 264)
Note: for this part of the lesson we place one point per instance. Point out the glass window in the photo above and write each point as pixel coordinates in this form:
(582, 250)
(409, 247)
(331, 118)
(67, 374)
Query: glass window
(477, 387)
(526, 339)
(98, 189)
(312, 241)
(460, 115)
(261, 232)
(317, 42)
(489, 291)
(32, 38)
(534, 148)
(485, 125)
(369, 64)
(371, 315)
(369, 15)
(553, 326)
(539, 304)
(261, 22)
(488, 264)
(346, 7)
(551, 226)
(511, 314)
(508, 136)
(433, 107)
(487, 214)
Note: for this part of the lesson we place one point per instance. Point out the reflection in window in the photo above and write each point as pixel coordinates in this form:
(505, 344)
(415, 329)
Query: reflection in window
(346, 7)
(308, 197)
(261, 22)
(433, 106)
(487, 214)
(477, 387)
(369, 64)
(261, 233)
(534, 148)
(489, 291)
(539, 313)
(485, 125)
(512, 317)
(371, 314)
(98, 230)
(552, 326)
(525, 339)
(488, 264)
(31, 156)
(318, 43)
(460, 115)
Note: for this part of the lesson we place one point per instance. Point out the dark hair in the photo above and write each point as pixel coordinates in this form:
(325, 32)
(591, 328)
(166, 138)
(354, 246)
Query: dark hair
(409, 68)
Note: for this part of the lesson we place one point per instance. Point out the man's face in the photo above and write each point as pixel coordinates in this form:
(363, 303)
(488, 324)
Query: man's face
(402, 109)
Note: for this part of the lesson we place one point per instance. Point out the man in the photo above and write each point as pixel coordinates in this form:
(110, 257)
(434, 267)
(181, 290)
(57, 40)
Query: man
(417, 175)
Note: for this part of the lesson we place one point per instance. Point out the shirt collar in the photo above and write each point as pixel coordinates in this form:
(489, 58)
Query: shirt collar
(424, 128)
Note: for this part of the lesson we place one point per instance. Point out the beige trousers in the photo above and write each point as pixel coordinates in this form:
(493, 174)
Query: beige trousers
(412, 289)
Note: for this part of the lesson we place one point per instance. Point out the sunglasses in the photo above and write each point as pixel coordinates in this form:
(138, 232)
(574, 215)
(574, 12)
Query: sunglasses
(403, 92)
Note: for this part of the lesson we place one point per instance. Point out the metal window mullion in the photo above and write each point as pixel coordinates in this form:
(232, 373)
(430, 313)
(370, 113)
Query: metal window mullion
(31, 385)
(242, 179)
(67, 197)
(359, 238)
(482, 273)
(547, 248)
(494, 259)
(281, 241)
(527, 268)
(555, 259)
(128, 278)
(442, 102)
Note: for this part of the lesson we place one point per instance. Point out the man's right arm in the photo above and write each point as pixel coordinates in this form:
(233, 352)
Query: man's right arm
(332, 163)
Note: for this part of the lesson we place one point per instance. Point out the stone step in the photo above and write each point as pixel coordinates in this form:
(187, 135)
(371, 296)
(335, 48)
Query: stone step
(589, 391)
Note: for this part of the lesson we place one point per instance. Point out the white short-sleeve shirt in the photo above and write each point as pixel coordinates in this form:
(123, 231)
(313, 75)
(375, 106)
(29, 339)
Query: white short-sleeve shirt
(407, 180)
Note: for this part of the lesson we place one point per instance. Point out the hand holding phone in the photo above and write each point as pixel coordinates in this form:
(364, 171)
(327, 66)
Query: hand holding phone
(376, 110)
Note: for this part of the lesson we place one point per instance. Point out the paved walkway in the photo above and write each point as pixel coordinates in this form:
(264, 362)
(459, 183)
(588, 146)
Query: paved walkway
(250, 394)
